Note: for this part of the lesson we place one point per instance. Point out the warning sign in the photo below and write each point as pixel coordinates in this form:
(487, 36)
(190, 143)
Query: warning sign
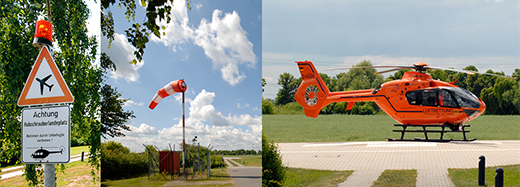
(45, 84)
(46, 134)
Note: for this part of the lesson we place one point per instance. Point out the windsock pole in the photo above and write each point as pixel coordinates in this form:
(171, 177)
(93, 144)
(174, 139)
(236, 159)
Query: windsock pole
(183, 140)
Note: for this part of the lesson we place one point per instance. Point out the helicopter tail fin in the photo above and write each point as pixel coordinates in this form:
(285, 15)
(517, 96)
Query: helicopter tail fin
(312, 92)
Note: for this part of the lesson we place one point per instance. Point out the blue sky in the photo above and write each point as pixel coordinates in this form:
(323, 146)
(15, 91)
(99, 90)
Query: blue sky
(216, 48)
(443, 33)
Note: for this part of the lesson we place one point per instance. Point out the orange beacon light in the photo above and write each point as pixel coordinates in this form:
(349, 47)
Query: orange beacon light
(43, 34)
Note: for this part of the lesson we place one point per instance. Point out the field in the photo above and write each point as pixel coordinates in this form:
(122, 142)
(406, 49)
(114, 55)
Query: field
(248, 160)
(340, 128)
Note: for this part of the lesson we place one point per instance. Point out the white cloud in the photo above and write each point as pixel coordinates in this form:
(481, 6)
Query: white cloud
(222, 132)
(198, 6)
(142, 130)
(132, 103)
(122, 53)
(223, 39)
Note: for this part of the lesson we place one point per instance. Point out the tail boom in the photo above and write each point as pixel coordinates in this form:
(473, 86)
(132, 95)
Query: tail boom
(313, 94)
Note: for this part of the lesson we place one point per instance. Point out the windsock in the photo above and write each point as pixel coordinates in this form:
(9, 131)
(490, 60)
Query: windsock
(169, 89)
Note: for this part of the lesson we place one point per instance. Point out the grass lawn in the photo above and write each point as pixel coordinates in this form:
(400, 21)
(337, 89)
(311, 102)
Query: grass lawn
(75, 174)
(78, 149)
(469, 177)
(396, 178)
(307, 177)
(139, 181)
(340, 128)
(251, 160)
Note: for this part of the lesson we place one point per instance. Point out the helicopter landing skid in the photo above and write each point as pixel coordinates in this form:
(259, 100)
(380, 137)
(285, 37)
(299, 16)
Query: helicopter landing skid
(444, 129)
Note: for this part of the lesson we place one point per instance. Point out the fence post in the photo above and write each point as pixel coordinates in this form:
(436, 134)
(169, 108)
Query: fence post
(499, 177)
(482, 171)
(82, 154)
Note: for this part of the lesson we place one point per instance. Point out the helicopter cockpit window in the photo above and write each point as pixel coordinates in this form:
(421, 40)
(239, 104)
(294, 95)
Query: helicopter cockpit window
(431, 97)
(446, 100)
(465, 98)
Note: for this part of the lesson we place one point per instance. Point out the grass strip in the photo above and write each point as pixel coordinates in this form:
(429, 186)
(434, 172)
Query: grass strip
(307, 177)
(397, 178)
(469, 177)
(233, 163)
(253, 160)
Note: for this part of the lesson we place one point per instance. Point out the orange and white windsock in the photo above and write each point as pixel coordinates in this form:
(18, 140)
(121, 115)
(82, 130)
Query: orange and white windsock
(169, 89)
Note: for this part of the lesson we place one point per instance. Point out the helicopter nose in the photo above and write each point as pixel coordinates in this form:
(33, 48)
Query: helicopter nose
(482, 107)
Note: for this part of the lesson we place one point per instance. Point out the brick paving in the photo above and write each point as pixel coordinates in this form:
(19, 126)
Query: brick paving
(431, 160)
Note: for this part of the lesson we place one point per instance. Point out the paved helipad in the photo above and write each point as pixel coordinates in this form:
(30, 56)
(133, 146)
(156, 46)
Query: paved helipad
(369, 159)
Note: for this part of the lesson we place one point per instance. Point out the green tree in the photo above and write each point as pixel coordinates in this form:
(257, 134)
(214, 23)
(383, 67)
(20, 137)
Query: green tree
(263, 84)
(17, 23)
(113, 116)
(516, 74)
(289, 86)
(334, 80)
(358, 79)
(267, 106)
(273, 172)
(139, 33)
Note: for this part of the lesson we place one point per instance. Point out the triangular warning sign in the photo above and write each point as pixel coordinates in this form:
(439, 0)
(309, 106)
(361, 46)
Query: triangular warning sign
(45, 84)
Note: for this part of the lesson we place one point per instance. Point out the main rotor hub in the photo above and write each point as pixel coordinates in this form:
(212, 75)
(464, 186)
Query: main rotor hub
(420, 66)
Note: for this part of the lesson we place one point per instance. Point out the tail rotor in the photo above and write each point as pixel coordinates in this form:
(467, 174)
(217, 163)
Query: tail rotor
(312, 93)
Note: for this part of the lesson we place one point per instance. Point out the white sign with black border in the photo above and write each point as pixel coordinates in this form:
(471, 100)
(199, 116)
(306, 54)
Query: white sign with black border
(46, 135)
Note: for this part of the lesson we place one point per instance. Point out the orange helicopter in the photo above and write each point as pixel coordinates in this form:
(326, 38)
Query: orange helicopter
(414, 100)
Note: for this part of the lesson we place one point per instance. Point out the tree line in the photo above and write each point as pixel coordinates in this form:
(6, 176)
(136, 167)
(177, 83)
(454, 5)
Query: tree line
(501, 94)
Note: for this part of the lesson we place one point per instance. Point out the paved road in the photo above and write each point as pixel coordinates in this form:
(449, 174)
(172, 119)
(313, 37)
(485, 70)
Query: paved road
(18, 170)
(244, 176)
(369, 159)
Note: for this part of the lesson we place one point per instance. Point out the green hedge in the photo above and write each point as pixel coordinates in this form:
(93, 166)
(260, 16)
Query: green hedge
(117, 162)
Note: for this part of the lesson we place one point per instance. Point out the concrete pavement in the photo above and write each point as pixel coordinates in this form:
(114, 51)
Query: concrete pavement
(244, 176)
(369, 159)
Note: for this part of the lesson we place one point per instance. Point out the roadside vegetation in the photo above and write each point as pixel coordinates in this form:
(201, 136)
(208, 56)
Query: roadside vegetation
(273, 171)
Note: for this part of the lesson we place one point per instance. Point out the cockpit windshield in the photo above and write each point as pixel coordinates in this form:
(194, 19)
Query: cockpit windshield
(464, 97)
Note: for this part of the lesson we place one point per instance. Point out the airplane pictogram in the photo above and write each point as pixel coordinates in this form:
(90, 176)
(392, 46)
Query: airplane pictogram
(43, 82)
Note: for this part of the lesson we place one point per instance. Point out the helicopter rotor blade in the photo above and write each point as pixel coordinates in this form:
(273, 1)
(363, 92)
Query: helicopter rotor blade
(363, 67)
(467, 72)
(389, 70)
